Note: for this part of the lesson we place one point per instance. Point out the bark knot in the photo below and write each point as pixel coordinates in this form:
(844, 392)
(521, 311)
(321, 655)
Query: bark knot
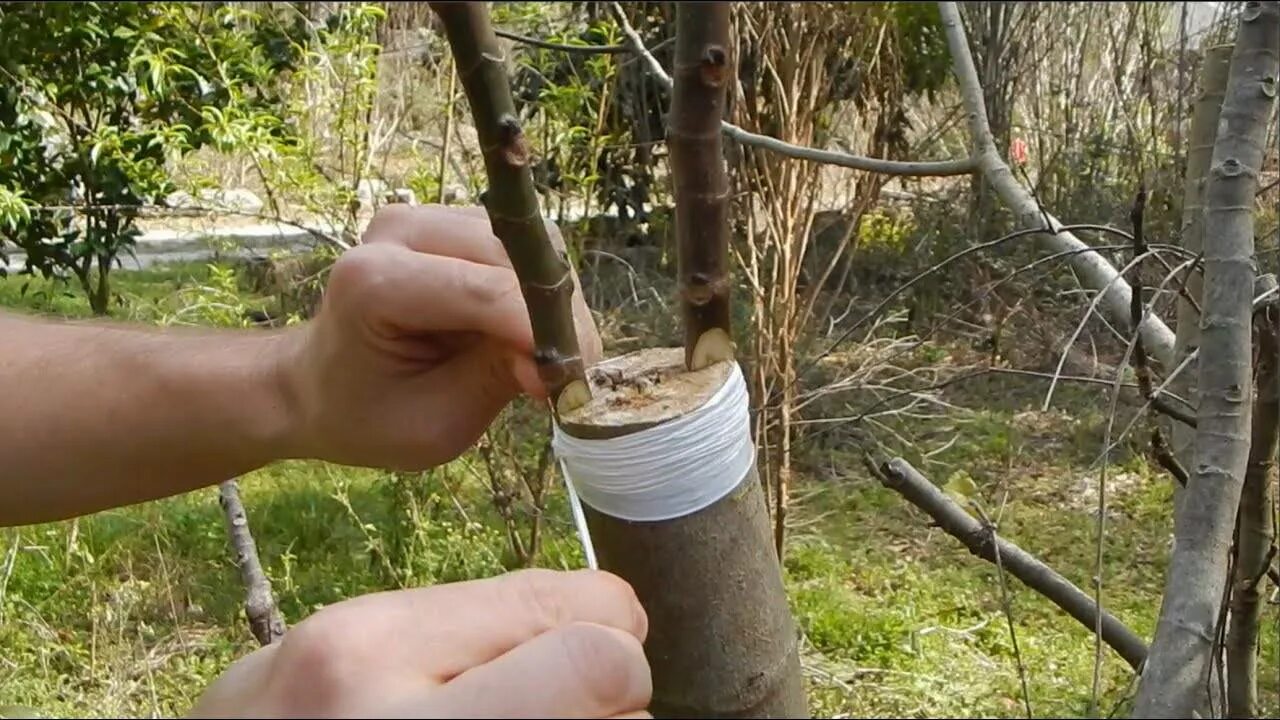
(515, 150)
(1230, 167)
(701, 287)
(1269, 86)
(713, 66)
(1251, 11)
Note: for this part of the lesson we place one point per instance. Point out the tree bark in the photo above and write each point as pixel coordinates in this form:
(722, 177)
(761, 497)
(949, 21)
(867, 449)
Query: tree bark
(1174, 681)
(1094, 270)
(1255, 528)
(546, 278)
(722, 642)
(898, 475)
(1204, 129)
(701, 75)
(259, 603)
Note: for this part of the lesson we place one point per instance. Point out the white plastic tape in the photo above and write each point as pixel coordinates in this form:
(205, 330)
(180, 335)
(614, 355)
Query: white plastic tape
(667, 471)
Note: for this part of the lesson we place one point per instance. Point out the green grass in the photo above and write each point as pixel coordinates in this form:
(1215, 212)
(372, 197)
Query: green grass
(131, 612)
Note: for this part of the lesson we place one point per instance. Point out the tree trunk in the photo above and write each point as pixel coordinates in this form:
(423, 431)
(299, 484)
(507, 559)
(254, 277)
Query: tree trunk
(1204, 128)
(722, 642)
(1255, 528)
(1174, 681)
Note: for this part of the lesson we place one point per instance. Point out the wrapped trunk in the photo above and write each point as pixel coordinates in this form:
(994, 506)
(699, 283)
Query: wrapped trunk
(721, 639)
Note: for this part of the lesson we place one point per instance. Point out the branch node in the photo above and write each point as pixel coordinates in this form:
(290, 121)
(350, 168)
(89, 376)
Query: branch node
(714, 66)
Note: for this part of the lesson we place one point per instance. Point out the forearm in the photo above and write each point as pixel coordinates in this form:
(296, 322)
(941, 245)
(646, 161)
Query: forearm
(100, 415)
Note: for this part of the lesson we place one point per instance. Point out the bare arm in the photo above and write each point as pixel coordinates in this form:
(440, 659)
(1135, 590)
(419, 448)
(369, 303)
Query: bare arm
(423, 338)
(100, 415)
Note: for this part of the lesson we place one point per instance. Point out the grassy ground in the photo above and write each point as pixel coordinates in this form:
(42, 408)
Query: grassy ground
(133, 611)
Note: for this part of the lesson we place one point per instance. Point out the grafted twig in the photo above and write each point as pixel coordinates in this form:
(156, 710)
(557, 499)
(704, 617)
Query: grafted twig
(703, 72)
(939, 168)
(898, 475)
(259, 604)
(546, 280)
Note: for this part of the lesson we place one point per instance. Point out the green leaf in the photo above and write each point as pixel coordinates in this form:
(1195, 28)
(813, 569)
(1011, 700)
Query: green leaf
(961, 487)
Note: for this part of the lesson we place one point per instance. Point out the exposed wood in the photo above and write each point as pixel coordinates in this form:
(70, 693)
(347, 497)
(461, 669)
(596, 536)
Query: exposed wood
(721, 641)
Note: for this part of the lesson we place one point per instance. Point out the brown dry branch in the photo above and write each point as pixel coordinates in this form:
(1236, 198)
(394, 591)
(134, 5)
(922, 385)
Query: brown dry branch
(260, 608)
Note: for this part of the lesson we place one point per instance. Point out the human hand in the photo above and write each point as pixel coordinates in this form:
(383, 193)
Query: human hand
(534, 643)
(423, 337)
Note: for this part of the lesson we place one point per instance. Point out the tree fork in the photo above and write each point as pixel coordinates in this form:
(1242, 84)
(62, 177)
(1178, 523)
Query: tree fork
(701, 74)
(546, 280)
(722, 642)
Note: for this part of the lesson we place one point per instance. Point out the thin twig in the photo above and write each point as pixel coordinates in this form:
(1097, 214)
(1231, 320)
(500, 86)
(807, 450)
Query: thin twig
(1008, 616)
(562, 47)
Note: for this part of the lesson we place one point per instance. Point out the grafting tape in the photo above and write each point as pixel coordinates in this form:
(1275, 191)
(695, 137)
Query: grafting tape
(669, 470)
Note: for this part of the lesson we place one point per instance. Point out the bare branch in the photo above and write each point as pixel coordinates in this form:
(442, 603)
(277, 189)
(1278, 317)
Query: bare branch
(259, 604)
(546, 45)
(981, 540)
(1094, 270)
(940, 168)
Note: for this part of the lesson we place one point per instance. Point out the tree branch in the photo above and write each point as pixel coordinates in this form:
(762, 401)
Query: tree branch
(259, 604)
(547, 45)
(546, 280)
(940, 168)
(1095, 271)
(981, 540)
(1159, 448)
(703, 72)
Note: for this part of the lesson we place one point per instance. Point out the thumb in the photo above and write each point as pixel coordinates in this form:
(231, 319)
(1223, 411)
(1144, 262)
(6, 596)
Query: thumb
(472, 387)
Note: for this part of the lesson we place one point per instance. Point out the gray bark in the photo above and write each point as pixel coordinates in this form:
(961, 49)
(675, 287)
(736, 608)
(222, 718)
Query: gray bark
(898, 475)
(1204, 129)
(259, 604)
(1094, 270)
(1174, 681)
(1255, 526)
